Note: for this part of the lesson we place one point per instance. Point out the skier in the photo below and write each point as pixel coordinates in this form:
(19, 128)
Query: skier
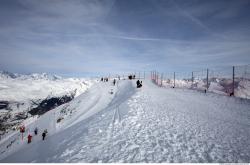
(44, 133)
(36, 131)
(138, 83)
(29, 138)
(114, 82)
(22, 129)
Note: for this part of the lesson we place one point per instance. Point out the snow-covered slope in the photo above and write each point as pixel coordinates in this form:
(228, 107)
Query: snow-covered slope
(37, 93)
(149, 124)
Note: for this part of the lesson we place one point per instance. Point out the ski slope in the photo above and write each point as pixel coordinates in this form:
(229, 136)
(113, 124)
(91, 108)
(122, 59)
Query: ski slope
(150, 124)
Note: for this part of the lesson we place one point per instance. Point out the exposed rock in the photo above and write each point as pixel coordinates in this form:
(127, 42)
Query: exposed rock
(49, 104)
(4, 104)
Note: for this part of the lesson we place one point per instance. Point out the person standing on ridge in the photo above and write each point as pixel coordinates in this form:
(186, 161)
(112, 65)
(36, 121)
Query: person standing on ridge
(139, 83)
(44, 133)
(36, 131)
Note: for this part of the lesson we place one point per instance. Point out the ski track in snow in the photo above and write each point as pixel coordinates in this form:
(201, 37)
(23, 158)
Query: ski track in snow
(151, 124)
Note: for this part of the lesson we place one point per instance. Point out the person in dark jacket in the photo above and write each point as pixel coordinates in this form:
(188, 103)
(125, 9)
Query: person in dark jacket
(138, 83)
(44, 133)
(36, 131)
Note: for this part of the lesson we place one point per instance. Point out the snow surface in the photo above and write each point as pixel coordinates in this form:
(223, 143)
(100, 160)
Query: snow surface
(149, 124)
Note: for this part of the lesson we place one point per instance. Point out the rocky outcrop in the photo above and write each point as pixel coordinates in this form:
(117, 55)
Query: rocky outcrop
(50, 103)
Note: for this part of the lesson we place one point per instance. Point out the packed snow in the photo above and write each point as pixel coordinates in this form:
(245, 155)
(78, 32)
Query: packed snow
(148, 124)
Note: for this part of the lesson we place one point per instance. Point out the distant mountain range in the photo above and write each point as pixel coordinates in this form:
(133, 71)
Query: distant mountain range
(34, 76)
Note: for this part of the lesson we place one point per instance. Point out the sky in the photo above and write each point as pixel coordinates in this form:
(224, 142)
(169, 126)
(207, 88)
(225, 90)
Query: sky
(98, 37)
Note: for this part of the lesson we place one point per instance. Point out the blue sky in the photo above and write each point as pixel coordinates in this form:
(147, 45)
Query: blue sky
(86, 37)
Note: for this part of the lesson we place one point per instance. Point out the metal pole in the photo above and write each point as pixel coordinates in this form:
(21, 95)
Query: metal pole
(157, 78)
(174, 79)
(233, 81)
(192, 78)
(207, 79)
(154, 77)
(161, 78)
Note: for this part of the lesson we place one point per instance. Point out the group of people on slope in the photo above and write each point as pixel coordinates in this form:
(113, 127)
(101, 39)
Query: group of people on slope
(105, 79)
(45, 132)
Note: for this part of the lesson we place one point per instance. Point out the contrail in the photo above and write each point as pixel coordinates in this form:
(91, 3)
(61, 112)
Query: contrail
(196, 20)
(192, 18)
(134, 38)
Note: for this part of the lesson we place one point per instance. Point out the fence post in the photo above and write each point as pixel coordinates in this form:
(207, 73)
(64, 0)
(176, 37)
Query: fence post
(157, 78)
(192, 79)
(233, 82)
(153, 75)
(161, 78)
(174, 79)
(207, 79)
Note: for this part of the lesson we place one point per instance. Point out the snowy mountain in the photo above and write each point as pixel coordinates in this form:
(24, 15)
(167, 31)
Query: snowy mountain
(6, 75)
(24, 95)
(123, 123)
(17, 87)
(33, 76)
